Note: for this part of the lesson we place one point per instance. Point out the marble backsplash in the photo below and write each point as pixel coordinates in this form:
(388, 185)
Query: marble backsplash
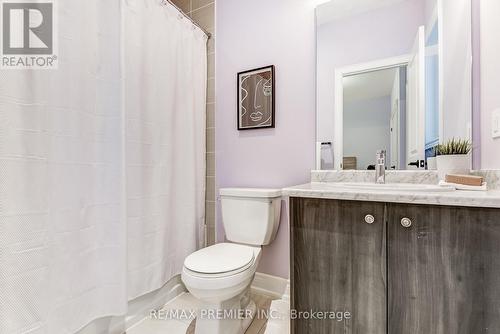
(422, 177)
(492, 177)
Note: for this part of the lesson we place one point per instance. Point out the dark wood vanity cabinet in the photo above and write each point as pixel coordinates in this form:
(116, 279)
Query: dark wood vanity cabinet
(414, 269)
(338, 266)
(443, 270)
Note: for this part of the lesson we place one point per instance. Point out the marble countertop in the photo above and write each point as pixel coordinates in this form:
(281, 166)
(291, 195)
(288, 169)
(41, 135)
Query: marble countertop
(330, 190)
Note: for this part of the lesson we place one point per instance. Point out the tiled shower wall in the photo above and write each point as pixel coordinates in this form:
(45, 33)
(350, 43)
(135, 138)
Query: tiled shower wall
(203, 13)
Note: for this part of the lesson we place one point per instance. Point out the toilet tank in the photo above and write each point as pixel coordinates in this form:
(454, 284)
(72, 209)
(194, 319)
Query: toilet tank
(250, 216)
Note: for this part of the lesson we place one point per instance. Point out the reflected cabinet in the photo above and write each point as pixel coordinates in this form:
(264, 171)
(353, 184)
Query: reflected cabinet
(367, 267)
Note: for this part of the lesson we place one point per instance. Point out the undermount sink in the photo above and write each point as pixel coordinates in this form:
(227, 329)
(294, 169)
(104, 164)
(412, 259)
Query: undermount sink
(411, 187)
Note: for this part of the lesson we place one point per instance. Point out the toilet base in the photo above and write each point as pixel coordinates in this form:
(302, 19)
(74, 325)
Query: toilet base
(233, 316)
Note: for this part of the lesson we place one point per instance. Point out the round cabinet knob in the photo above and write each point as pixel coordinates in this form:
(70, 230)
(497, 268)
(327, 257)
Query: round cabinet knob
(406, 222)
(369, 219)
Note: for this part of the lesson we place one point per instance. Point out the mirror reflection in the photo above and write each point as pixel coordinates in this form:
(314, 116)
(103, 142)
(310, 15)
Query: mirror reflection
(400, 82)
(379, 99)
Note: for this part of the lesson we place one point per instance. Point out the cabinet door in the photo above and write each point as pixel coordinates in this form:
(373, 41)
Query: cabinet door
(338, 265)
(444, 270)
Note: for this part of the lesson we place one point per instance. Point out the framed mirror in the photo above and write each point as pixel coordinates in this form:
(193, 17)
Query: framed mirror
(391, 75)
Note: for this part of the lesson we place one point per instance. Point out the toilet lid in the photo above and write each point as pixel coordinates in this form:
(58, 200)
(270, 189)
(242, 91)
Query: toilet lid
(220, 258)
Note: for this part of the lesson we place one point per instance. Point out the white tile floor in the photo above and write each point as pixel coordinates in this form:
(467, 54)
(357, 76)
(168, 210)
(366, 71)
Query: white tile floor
(185, 325)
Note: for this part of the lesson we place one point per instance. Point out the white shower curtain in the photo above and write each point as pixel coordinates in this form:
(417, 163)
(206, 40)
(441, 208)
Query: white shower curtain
(165, 96)
(71, 178)
(62, 229)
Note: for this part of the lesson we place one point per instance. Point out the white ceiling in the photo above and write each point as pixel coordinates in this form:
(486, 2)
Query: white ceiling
(369, 85)
(337, 9)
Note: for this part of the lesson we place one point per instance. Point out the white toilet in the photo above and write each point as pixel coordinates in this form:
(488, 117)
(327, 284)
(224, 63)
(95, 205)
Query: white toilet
(220, 276)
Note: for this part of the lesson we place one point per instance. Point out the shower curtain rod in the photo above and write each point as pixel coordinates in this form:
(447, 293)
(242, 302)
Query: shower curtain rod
(209, 35)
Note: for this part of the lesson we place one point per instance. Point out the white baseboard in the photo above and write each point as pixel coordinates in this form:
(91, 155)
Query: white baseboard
(281, 324)
(269, 285)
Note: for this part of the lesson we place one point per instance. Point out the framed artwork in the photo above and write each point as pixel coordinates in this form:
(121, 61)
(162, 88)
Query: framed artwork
(256, 100)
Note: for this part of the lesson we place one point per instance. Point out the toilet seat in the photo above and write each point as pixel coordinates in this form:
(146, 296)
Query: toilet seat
(220, 260)
(222, 285)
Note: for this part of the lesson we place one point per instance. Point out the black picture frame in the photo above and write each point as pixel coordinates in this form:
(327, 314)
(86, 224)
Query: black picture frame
(239, 112)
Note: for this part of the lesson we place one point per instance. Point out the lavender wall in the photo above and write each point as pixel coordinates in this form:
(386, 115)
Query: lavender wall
(252, 34)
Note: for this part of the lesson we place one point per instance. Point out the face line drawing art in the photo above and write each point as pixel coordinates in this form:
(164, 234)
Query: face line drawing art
(255, 95)
(256, 115)
(243, 97)
(267, 120)
(266, 89)
(260, 111)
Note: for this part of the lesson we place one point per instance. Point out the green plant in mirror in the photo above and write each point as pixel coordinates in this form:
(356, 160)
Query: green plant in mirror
(454, 146)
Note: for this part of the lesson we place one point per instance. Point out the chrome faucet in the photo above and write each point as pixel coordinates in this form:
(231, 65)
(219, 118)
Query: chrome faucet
(380, 167)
